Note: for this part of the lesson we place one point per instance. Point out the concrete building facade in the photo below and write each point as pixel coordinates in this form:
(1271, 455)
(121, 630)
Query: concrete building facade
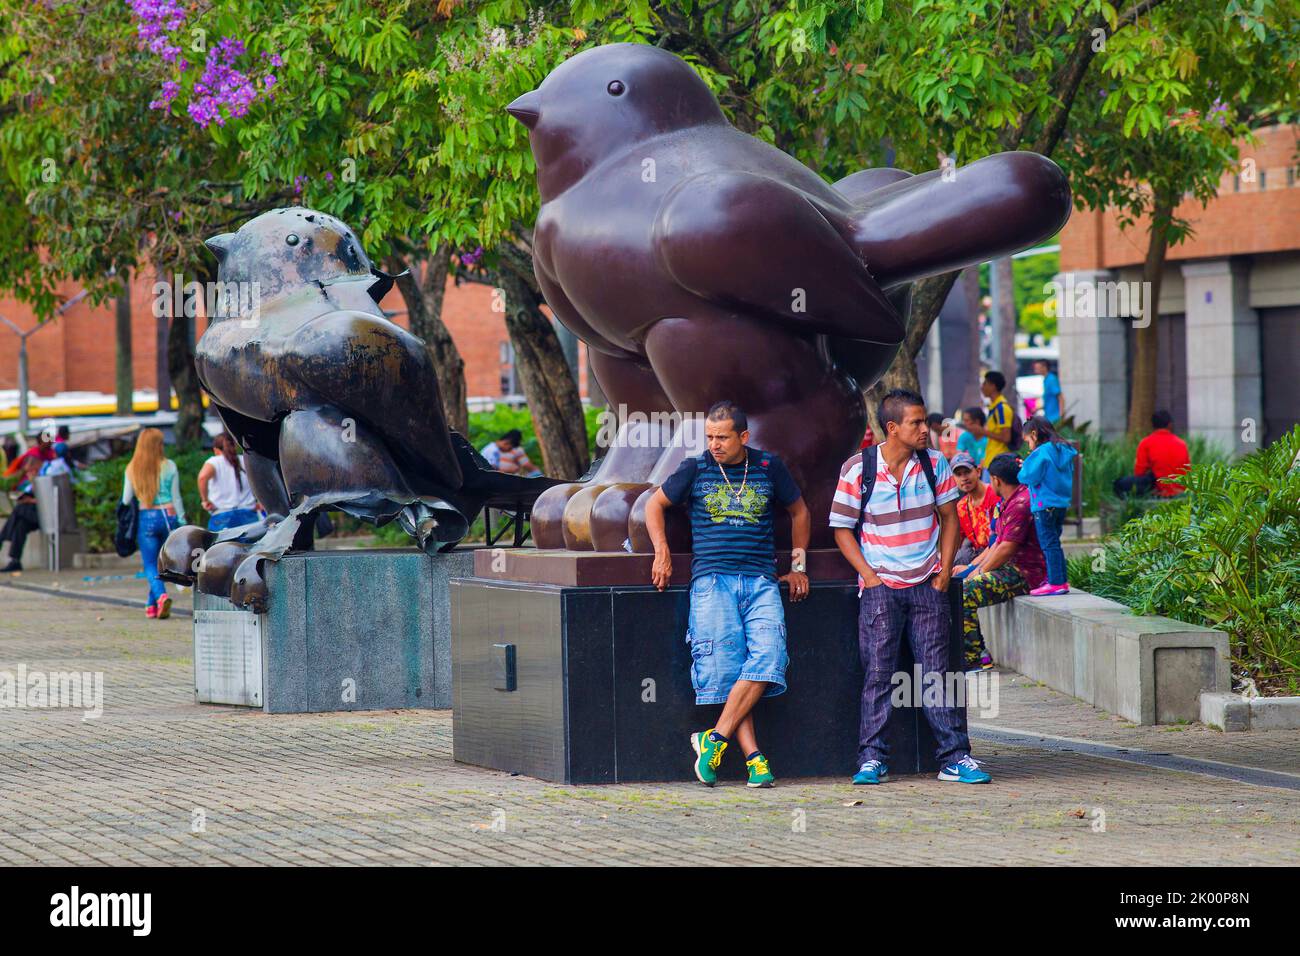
(1228, 313)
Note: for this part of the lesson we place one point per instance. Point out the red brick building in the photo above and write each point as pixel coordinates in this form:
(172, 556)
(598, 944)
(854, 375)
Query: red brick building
(1228, 314)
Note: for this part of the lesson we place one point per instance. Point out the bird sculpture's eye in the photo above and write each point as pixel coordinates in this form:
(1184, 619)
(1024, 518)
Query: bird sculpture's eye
(291, 239)
(616, 88)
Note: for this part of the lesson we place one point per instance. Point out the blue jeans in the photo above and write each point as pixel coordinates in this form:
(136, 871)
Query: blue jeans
(233, 518)
(736, 632)
(885, 617)
(155, 525)
(1048, 523)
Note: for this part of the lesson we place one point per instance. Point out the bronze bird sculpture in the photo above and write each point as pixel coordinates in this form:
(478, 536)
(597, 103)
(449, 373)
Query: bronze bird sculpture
(699, 263)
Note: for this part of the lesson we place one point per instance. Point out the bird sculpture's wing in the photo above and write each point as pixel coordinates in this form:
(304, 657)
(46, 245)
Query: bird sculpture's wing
(749, 242)
(380, 373)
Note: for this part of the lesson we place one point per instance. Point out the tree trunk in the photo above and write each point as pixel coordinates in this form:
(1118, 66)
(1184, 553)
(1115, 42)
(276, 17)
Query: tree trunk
(928, 296)
(1005, 309)
(125, 383)
(1142, 397)
(546, 379)
(423, 293)
(970, 291)
(184, 378)
(162, 350)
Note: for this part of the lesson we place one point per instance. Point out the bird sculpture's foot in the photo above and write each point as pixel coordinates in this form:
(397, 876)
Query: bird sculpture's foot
(182, 553)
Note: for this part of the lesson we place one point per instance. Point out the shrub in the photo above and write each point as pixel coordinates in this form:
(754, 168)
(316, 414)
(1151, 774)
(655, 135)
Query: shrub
(1225, 555)
(99, 489)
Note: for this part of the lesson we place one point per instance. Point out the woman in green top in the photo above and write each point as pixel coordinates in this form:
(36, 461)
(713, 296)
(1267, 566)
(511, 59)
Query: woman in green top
(154, 480)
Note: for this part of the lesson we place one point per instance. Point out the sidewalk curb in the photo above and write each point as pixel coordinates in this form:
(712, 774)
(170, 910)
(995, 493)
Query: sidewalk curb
(1256, 776)
(77, 596)
(1232, 712)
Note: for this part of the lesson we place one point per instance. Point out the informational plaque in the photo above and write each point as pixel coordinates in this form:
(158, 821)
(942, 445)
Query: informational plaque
(228, 657)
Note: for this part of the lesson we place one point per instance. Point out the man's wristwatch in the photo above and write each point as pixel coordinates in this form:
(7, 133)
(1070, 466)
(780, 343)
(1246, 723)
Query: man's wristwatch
(799, 565)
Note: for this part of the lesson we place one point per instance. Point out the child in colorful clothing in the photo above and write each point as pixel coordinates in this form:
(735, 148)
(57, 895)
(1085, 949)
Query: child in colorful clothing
(1049, 474)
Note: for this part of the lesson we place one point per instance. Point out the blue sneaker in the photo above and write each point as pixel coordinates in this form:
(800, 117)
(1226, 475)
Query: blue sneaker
(965, 770)
(873, 771)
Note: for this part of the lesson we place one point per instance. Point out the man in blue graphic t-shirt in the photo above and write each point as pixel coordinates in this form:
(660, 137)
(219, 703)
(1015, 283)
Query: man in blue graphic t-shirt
(737, 623)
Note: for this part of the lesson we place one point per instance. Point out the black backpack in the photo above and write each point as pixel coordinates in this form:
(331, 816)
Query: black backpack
(867, 485)
(1017, 433)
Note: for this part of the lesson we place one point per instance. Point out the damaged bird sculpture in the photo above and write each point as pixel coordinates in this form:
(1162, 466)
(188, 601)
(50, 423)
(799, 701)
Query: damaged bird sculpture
(334, 405)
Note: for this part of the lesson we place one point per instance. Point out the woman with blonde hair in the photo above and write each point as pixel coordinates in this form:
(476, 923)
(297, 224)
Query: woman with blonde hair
(154, 481)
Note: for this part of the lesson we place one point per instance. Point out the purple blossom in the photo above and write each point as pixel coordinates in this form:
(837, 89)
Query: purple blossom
(168, 93)
(298, 182)
(471, 258)
(222, 91)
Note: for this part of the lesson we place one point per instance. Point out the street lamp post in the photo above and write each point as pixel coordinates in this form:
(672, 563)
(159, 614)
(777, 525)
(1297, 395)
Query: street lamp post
(23, 417)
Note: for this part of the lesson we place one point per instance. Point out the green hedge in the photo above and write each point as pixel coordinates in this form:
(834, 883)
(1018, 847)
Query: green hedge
(100, 489)
(1225, 555)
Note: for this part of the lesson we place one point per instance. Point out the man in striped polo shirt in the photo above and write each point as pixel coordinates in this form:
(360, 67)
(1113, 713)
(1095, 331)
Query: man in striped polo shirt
(894, 543)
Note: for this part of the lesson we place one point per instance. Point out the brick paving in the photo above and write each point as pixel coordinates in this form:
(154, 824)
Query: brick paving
(159, 779)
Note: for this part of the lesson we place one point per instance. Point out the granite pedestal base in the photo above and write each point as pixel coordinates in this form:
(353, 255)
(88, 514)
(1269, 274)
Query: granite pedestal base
(345, 630)
(592, 685)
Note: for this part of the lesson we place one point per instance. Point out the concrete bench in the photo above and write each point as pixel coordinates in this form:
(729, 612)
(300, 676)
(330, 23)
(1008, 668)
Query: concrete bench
(1151, 670)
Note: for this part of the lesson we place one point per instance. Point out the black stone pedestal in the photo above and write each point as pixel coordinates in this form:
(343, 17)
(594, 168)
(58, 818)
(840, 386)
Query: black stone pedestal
(592, 685)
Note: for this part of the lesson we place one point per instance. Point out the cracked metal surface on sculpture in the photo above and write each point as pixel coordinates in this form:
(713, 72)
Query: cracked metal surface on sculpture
(333, 404)
(699, 263)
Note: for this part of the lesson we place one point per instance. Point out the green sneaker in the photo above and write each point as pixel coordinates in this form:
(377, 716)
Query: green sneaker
(708, 756)
(760, 774)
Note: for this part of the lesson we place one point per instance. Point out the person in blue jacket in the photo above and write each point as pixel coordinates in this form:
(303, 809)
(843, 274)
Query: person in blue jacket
(1049, 474)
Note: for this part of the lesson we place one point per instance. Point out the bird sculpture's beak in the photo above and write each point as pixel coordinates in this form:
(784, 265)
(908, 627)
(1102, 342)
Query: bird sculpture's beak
(526, 109)
(220, 245)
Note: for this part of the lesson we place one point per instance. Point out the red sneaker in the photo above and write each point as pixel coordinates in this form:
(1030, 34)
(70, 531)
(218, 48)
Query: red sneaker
(1046, 590)
(151, 611)
(164, 607)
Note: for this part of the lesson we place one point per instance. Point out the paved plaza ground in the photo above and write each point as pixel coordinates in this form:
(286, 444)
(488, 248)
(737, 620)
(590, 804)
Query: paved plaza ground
(160, 779)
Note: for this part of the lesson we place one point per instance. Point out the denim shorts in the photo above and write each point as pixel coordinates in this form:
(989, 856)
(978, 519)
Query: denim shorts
(736, 632)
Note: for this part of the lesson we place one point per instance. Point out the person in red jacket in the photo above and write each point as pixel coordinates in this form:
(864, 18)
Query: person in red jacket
(1161, 454)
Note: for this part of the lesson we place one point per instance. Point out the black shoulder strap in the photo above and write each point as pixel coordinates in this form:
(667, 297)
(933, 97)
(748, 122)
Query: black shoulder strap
(927, 466)
(866, 484)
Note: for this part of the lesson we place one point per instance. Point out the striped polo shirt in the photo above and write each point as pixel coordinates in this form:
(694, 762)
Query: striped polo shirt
(900, 532)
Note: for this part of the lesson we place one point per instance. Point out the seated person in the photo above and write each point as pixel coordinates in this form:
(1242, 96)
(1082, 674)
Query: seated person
(1012, 565)
(501, 454)
(974, 507)
(24, 519)
(1160, 455)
